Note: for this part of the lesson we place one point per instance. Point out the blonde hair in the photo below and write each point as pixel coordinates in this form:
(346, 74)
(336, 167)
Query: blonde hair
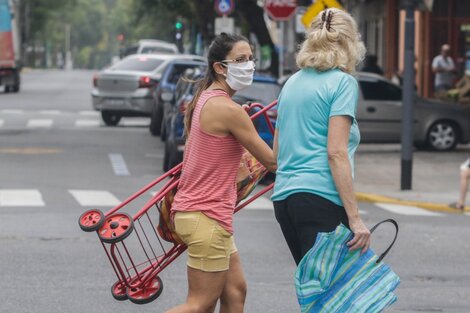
(332, 41)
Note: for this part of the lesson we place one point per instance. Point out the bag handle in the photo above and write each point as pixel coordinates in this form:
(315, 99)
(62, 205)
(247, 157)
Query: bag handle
(394, 223)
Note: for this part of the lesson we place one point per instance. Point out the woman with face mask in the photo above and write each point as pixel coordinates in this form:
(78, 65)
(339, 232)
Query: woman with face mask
(218, 130)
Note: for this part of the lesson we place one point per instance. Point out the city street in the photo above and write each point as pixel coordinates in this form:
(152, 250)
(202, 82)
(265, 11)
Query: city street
(57, 160)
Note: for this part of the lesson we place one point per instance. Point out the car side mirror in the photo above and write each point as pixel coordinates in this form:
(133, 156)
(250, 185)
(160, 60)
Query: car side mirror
(167, 96)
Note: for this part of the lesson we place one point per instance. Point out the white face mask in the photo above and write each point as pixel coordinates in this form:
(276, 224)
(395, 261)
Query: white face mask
(240, 75)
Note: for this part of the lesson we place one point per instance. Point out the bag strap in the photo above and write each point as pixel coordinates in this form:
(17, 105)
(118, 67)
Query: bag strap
(394, 223)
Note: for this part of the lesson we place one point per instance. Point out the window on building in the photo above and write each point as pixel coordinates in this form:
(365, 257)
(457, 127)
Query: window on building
(440, 8)
(380, 90)
(462, 8)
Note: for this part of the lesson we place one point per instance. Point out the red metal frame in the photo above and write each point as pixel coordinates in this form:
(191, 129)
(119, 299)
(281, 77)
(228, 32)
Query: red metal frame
(156, 253)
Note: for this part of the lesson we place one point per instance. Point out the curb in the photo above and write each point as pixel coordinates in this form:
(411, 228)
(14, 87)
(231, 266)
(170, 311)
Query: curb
(370, 197)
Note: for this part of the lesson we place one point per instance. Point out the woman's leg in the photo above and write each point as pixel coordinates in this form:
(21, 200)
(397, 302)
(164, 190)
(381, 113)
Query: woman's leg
(288, 228)
(205, 288)
(464, 177)
(233, 296)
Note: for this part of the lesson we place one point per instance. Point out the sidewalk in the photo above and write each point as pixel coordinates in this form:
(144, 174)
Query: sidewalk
(435, 176)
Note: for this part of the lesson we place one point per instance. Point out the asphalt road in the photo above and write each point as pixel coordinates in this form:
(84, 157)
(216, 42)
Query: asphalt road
(58, 160)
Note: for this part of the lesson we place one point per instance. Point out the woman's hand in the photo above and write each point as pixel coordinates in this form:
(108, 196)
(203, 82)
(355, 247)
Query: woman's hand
(361, 237)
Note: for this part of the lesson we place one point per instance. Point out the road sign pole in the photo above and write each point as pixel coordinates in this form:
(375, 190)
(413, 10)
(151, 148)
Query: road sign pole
(408, 98)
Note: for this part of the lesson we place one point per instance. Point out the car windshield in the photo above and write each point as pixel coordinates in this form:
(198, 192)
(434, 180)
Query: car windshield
(150, 50)
(141, 64)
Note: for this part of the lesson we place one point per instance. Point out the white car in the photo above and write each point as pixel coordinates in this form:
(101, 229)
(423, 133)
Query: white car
(151, 46)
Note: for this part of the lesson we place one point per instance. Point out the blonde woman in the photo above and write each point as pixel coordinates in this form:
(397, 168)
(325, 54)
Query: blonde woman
(316, 137)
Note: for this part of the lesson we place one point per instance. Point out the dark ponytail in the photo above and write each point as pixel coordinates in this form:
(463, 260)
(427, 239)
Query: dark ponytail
(218, 51)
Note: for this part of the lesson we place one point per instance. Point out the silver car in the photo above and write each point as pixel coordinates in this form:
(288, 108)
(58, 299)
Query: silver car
(126, 88)
(438, 125)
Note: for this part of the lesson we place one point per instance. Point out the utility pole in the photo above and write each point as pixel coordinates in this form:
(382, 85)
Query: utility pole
(408, 97)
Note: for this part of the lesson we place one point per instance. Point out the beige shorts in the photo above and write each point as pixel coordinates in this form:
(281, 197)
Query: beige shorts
(209, 244)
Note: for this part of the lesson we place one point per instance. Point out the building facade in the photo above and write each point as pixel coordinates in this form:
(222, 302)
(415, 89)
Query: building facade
(382, 24)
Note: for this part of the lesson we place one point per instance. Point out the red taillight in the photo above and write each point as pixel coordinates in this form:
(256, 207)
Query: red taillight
(183, 105)
(95, 80)
(145, 82)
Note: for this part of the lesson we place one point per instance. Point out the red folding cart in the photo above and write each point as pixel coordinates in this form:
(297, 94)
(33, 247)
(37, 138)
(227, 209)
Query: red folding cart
(141, 246)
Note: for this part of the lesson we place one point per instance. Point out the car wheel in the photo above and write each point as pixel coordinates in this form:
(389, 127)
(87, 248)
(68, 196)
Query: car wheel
(155, 126)
(7, 89)
(442, 136)
(110, 119)
(15, 88)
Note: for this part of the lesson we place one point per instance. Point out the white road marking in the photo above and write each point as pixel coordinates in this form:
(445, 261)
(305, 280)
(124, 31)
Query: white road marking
(92, 113)
(50, 112)
(262, 203)
(119, 165)
(135, 122)
(87, 123)
(94, 197)
(1, 122)
(21, 197)
(406, 210)
(39, 123)
(12, 111)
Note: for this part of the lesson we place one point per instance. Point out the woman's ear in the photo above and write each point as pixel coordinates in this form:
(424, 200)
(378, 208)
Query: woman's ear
(219, 68)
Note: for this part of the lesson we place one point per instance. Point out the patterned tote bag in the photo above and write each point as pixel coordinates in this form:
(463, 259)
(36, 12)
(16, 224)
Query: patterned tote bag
(329, 278)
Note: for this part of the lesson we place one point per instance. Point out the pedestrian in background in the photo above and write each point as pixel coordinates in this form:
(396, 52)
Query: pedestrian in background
(317, 135)
(371, 65)
(444, 68)
(218, 131)
(464, 178)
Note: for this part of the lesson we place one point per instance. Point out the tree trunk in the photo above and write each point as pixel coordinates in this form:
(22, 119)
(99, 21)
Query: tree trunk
(254, 15)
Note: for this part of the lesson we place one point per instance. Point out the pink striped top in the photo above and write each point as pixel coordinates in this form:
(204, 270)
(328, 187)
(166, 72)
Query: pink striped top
(210, 165)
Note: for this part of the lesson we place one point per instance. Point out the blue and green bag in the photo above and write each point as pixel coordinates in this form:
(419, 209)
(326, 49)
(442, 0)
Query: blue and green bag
(329, 278)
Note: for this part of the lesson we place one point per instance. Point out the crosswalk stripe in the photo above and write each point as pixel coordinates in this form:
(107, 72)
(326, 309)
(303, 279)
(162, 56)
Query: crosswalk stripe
(39, 123)
(261, 203)
(406, 210)
(118, 164)
(87, 123)
(50, 112)
(11, 111)
(135, 122)
(94, 197)
(1, 122)
(93, 113)
(21, 197)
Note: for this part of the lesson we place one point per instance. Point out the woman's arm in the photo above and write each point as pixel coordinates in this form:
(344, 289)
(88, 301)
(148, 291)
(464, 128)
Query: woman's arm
(241, 127)
(276, 143)
(338, 138)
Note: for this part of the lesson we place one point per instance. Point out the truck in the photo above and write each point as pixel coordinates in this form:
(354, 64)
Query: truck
(10, 60)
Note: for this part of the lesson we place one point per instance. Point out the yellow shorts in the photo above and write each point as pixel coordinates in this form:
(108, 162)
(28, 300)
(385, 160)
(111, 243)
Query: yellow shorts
(209, 244)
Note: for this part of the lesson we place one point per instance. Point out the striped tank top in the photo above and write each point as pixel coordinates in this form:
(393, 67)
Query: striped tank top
(210, 165)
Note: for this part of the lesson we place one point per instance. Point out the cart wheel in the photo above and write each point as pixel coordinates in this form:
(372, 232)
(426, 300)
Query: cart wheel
(116, 228)
(91, 220)
(118, 290)
(146, 294)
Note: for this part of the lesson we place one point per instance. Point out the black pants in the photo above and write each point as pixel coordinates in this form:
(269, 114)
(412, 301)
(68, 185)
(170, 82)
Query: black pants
(302, 215)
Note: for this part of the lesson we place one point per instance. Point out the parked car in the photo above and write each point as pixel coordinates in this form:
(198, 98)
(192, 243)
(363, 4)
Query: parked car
(175, 139)
(264, 90)
(126, 88)
(150, 46)
(163, 96)
(438, 125)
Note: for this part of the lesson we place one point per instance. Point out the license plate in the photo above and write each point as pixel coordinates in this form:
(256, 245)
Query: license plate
(115, 102)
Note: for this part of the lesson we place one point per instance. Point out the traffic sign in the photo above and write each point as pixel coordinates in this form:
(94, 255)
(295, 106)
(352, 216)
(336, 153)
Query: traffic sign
(280, 10)
(224, 7)
(316, 8)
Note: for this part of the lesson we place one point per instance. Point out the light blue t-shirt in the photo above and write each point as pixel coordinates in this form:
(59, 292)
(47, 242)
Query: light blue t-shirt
(306, 103)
